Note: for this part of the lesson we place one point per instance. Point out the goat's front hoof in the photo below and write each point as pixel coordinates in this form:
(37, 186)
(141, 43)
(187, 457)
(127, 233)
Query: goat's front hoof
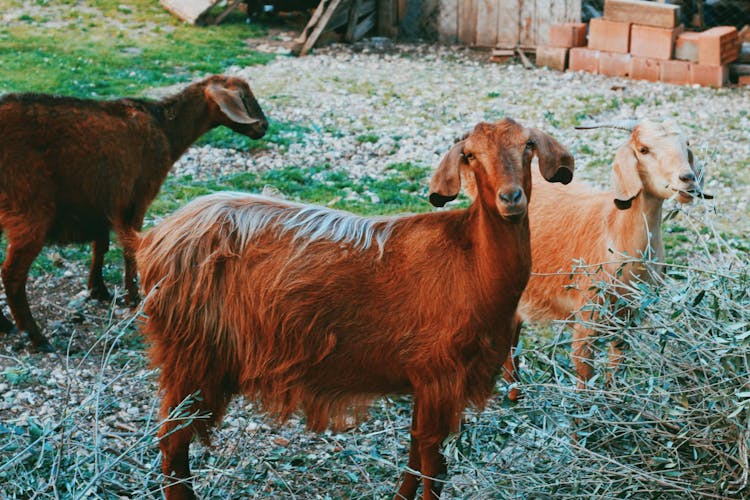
(7, 326)
(44, 347)
(41, 344)
(100, 294)
(515, 394)
(134, 301)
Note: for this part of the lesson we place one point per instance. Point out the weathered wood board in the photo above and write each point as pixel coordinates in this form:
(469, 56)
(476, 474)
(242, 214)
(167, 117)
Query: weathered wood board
(660, 15)
(359, 17)
(503, 23)
(189, 10)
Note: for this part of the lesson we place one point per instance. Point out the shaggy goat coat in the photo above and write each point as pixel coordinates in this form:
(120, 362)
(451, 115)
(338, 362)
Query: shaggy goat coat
(72, 169)
(307, 307)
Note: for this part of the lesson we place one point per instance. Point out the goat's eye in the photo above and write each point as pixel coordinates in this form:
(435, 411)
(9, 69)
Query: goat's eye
(468, 156)
(643, 150)
(530, 144)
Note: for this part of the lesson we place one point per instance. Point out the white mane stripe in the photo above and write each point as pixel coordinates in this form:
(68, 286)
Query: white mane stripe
(250, 214)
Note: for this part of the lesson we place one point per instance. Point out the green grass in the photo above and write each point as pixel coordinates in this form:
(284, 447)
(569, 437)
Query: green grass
(401, 190)
(111, 49)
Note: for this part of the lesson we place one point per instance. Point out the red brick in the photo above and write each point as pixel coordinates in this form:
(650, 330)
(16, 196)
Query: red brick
(610, 36)
(614, 64)
(567, 35)
(686, 46)
(552, 57)
(719, 45)
(744, 80)
(583, 59)
(709, 76)
(677, 72)
(644, 68)
(648, 41)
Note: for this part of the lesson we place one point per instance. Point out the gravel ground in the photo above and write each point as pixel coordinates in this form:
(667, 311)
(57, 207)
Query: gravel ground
(414, 100)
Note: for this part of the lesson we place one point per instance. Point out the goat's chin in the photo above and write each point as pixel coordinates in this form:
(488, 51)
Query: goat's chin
(513, 217)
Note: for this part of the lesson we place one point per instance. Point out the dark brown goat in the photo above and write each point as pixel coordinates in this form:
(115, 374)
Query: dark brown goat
(306, 307)
(71, 169)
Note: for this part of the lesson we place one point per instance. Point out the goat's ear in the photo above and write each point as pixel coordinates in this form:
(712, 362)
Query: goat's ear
(446, 181)
(555, 162)
(230, 103)
(625, 178)
(700, 174)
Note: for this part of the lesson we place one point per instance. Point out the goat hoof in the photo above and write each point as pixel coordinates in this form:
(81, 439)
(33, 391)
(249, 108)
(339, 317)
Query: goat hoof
(44, 347)
(100, 294)
(8, 328)
(515, 394)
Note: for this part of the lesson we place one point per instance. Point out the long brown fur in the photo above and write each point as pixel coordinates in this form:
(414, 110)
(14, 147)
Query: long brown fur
(581, 235)
(71, 169)
(324, 313)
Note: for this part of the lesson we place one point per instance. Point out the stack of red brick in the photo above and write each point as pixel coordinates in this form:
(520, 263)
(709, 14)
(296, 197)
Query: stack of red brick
(643, 40)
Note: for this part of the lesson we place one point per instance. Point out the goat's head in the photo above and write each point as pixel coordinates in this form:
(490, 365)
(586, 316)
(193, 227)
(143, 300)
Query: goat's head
(495, 161)
(233, 105)
(657, 161)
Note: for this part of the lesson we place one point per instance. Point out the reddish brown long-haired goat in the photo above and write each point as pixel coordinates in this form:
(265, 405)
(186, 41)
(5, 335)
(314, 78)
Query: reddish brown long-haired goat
(71, 169)
(306, 307)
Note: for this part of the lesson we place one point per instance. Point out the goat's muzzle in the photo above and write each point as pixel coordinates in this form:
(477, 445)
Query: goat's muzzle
(512, 204)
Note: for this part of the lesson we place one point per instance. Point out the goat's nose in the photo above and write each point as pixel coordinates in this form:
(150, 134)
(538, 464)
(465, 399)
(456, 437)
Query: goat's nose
(512, 197)
(687, 177)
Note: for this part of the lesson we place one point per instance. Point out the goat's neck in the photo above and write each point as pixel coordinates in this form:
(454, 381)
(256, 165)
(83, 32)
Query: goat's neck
(503, 252)
(186, 118)
(639, 228)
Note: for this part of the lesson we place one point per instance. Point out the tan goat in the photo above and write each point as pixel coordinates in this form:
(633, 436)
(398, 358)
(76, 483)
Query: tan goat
(581, 235)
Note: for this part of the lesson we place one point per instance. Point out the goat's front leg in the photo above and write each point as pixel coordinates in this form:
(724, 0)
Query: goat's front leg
(410, 483)
(510, 371)
(20, 253)
(129, 240)
(96, 286)
(436, 418)
(615, 356)
(581, 353)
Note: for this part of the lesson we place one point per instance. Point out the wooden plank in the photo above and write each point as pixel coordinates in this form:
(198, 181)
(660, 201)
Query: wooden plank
(401, 11)
(448, 21)
(366, 6)
(387, 25)
(562, 11)
(487, 13)
(573, 11)
(231, 5)
(327, 8)
(352, 23)
(661, 15)
(364, 26)
(188, 10)
(467, 22)
(340, 16)
(527, 32)
(508, 27)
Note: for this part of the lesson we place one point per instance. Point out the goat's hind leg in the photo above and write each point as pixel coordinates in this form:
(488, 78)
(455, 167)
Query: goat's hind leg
(6, 325)
(20, 254)
(210, 398)
(97, 288)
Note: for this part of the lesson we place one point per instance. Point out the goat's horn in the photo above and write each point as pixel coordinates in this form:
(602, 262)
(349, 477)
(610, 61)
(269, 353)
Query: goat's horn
(627, 125)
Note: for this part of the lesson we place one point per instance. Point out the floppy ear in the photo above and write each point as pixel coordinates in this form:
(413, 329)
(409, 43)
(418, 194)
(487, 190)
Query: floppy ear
(700, 174)
(446, 181)
(625, 178)
(555, 162)
(230, 103)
